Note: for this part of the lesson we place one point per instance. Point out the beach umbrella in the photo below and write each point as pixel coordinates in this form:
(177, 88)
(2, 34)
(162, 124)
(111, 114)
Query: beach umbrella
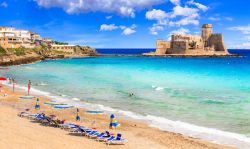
(37, 106)
(78, 118)
(3, 79)
(113, 122)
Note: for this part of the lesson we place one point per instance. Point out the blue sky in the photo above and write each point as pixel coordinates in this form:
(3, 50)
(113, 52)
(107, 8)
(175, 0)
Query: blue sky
(127, 23)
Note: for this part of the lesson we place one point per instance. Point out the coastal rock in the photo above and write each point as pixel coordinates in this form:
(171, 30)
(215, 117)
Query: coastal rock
(18, 56)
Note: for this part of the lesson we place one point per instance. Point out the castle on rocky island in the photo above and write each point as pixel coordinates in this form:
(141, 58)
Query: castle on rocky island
(208, 43)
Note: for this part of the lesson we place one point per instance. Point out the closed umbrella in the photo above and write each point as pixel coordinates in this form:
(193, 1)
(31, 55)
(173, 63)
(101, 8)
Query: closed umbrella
(113, 122)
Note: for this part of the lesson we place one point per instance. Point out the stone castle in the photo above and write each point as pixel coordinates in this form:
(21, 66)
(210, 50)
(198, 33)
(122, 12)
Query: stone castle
(206, 44)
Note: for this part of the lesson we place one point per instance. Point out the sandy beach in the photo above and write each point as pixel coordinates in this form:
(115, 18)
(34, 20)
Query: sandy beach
(16, 132)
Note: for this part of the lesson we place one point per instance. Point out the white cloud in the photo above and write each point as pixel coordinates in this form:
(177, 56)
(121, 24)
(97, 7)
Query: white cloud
(125, 29)
(185, 21)
(158, 15)
(180, 31)
(175, 2)
(245, 45)
(229, 19)
(108, 27)
(214, 18)
(184, 11)
(218, 17)
(128, 30)
(109, 17)
(121, 7)
(155, 28)
(4, 4)
(189, 14)
(245, 30)
(198, 5)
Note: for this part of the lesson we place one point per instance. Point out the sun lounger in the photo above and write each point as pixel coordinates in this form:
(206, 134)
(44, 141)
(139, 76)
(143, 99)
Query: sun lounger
(97, 134)
(40, 117)
(104, 136)
(117, 140)
(68, 126)
(80, 129)
(91, 133)
(26, 114)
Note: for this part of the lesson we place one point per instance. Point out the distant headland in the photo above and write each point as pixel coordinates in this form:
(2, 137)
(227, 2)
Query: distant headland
(208, 44)
(18, 46)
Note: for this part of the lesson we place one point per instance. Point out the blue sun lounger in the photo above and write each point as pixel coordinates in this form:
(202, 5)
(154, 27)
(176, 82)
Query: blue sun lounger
(103, 137)
(96, 135)
(118, 140)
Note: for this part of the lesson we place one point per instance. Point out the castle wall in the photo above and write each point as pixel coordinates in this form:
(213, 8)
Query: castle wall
(206, 44)
(178, 47)
(216, 41)
(162, 46)
(207, 30)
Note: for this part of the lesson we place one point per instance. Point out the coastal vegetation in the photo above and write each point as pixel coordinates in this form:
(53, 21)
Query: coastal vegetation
(22, 55)
(2, 51)
(61, 43)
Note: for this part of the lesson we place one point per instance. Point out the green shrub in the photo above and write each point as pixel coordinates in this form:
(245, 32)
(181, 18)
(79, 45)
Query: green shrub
(18, 51)
(2, 51)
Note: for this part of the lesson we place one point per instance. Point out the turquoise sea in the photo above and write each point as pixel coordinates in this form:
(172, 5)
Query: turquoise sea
(201, 97)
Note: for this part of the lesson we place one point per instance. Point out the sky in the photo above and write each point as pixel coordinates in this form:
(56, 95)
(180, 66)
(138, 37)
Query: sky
(128, 23)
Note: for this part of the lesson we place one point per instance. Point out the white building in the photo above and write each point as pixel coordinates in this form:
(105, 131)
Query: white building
(13, 38)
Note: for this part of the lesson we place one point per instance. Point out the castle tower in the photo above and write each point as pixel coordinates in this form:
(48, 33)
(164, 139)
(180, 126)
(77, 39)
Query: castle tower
(207, 30)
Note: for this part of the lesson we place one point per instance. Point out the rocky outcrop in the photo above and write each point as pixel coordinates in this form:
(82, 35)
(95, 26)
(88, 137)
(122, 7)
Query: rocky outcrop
(8, 60)
(28, 56)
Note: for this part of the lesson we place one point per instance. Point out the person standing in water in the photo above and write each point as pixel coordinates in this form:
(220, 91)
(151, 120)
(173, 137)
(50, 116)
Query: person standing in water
(13, 84)
(29, 87)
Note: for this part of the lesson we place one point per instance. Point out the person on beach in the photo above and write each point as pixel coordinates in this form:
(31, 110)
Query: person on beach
(77, 115)
(29, 87)
(13, 84)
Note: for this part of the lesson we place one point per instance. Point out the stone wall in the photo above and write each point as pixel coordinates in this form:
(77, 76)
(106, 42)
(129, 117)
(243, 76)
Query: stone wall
(216, 41)
(178, 47)
(162, 46)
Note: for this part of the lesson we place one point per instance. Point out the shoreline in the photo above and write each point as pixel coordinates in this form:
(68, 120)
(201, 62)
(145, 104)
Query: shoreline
(127, 124)
(202, 133)
(31, 59)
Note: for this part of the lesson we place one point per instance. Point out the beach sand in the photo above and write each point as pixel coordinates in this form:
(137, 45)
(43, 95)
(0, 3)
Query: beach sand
(21, 133)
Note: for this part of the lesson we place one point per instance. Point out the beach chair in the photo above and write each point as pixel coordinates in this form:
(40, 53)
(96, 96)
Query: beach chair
(97, 135)
(40, 117)
(46, 121)
(104, 136)
(91, 133)
(118, 140)
(55, 123)
(26, 114)
(80, 129)
(68, 126)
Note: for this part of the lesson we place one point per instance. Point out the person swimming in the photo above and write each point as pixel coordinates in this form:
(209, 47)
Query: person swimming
(131, 94)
